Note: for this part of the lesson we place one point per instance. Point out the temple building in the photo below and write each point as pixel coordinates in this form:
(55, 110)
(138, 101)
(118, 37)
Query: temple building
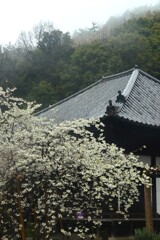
(128, 104)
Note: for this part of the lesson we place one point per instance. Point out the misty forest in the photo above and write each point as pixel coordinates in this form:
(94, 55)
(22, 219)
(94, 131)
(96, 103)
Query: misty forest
(47, 65)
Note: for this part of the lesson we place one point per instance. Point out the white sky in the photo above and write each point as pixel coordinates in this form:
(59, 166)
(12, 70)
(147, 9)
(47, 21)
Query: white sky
(66, 15)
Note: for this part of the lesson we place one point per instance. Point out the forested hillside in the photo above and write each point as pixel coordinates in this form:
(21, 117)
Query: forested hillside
(48, 65)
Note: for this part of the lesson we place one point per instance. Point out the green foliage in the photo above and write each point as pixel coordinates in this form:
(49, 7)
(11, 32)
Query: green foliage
(143, 234)
(46, 66)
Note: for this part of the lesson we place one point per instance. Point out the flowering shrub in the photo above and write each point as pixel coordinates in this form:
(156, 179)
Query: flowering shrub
(51, 172)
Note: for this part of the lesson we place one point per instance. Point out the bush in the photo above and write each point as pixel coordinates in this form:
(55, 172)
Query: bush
(144, 234)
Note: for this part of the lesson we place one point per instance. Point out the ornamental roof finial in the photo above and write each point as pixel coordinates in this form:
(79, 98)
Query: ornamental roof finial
(110, 110)
(136, 66)
(120, 97)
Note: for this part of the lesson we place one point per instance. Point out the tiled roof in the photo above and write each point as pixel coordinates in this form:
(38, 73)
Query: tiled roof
(143, 103)
(139, 92)
(91, 101)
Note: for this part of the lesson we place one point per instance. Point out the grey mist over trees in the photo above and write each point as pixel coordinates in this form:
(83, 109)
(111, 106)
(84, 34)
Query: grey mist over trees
(47, 65)
(99, 32)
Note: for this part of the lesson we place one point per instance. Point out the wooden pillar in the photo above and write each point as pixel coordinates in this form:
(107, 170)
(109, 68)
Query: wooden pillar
(148, 209)
(113, 229)
(154, 187)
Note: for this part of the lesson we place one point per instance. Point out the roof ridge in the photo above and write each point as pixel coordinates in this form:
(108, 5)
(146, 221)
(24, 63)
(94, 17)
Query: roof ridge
(117, 74)
(130, 83)
(84, 89)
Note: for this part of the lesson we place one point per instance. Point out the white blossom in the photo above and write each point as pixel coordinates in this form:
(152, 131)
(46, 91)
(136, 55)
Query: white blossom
(55, 171)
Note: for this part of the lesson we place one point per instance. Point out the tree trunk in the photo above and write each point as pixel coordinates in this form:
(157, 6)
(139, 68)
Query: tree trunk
(36, 225)
(61, 227)
(21, 217)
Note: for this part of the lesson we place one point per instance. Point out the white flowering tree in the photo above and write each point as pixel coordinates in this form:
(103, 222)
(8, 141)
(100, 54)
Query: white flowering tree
(60, 174)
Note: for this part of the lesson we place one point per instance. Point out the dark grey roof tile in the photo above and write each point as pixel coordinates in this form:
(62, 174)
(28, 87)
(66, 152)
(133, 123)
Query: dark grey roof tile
(143, 103)
(141, 91)
(90, 102)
